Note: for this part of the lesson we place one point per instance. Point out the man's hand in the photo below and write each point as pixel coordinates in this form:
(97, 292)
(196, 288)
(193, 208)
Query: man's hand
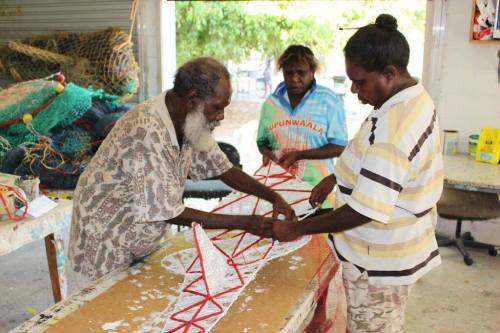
(258, 225)
(321, 191)
(289, 158)
(286, 231)
(281, 207)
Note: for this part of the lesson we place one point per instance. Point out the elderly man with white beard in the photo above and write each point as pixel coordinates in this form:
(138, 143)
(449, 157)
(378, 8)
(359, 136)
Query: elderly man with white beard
(132, 189)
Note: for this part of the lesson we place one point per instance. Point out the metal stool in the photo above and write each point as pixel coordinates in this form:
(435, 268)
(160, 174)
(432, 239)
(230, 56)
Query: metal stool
(463, 205)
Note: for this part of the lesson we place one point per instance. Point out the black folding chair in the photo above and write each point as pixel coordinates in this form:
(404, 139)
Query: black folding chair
(213, 188)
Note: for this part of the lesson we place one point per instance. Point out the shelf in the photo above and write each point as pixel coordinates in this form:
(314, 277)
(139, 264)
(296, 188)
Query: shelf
(490, 41)
(471, 24)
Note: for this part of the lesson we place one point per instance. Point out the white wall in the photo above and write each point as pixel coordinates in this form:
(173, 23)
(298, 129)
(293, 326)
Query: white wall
(469, 91)
(168, 44)
(462, 78)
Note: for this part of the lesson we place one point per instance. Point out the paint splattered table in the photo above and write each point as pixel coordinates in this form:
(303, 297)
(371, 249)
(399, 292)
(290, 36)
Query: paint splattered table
(14, 234)
(280, 299)
(465, 173)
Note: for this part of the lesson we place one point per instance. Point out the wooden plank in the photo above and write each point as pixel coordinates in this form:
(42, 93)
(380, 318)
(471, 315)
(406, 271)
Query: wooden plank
(283, 294)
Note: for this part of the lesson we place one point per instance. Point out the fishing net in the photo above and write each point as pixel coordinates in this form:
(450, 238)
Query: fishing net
(72, 140)
(55, 169)
(101, 117)
(33, 108)
(51, 129)
(102, 59)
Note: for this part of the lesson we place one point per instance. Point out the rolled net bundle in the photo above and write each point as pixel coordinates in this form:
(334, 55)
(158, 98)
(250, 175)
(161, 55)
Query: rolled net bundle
(51, 129)
(102, 59)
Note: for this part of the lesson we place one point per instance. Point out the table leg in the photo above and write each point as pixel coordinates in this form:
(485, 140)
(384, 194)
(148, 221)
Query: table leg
(54, 246)
(61, 263)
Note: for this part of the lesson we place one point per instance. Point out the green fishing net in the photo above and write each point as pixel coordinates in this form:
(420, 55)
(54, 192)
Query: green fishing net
(35, 107)
(51, 129)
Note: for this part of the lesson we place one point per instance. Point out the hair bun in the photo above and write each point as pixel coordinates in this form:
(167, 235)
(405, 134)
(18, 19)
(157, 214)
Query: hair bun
(386, 21)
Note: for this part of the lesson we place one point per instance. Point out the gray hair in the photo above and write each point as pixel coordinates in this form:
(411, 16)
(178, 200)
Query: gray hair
(201, 74)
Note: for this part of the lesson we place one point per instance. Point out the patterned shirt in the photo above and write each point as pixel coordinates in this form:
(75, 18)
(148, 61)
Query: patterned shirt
(134, 184)
(318, 120)
(392, 172)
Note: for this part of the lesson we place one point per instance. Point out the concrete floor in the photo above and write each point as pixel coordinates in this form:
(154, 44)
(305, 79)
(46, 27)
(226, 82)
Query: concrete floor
(452, 298)
(457, 298)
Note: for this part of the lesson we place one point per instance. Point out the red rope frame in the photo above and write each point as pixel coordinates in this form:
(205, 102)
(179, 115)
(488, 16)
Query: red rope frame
(235, 253)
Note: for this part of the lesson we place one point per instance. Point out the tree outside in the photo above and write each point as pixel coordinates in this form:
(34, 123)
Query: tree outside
(232, 30)
(244, 34)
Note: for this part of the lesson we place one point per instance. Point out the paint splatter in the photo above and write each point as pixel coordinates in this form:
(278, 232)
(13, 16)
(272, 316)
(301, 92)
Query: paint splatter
(152, 294)
(136, 319)
(135, 308)
(112, 325)
(295, 262)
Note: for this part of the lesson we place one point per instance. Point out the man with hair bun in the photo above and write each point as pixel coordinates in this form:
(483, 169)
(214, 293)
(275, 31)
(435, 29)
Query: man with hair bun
(388, 181)
(132, 189)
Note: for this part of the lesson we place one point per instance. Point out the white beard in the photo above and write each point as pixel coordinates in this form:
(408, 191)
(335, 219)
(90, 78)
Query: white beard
(198, 130)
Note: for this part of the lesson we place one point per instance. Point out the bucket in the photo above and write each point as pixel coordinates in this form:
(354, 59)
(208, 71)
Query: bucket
(473, 139)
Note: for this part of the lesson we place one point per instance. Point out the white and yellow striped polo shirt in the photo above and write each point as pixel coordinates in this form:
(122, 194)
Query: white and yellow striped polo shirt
(392, 172)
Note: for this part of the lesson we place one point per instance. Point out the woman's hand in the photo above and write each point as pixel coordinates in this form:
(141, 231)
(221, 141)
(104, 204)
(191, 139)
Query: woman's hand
(321, 191)
(281, 207)
(289, 158)
(268, 156)
(286, 231)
